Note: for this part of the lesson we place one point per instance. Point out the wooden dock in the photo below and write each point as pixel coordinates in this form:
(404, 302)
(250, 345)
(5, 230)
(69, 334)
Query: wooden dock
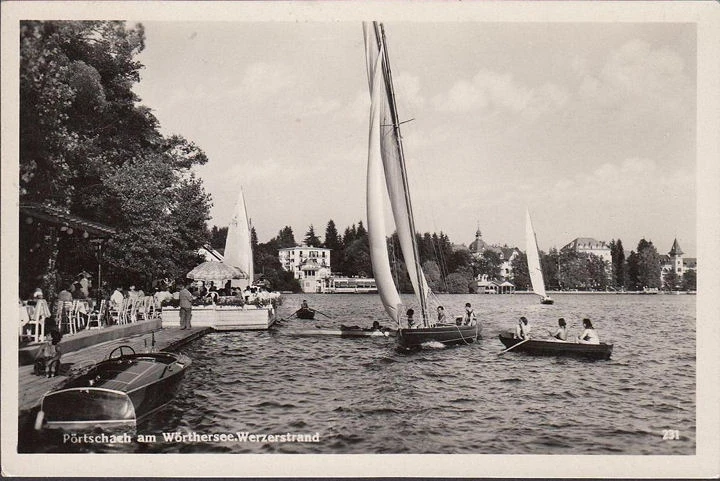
(32, 387)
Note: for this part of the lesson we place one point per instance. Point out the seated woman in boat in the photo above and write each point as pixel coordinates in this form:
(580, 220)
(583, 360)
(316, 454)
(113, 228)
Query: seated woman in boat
(440, 315)
(411, 322)
(588, 336)
(522, 330)
(561, 333)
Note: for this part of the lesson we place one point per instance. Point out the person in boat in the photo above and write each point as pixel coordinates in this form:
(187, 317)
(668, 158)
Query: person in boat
(441, 315)
(469, 317)
(561, 332)
(304, 305)
(411, 322)
(375, 327)
(522, 331)
(589, 335)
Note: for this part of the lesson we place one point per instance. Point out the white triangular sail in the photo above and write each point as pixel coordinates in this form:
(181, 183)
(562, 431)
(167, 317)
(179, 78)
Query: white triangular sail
(385, 140)
(533, 258)
(376, 193)
(238, 245)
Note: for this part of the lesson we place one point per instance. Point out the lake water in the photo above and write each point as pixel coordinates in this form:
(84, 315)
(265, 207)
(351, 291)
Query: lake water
(363, 396)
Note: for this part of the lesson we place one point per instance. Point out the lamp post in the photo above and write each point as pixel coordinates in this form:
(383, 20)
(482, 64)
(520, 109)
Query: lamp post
(98, 245)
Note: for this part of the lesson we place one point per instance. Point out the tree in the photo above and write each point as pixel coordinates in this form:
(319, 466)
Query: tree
(286, 238)
(618, 263)
(433, 276)
(89, 148)
(311, 239)
(597, 273)
(671, 281)
(457, 284)
(334, 243)
(689, 281)
(550, 265)
(489, 264)
(648, 265)
(632, 272)
(218, 237)
(521, 276)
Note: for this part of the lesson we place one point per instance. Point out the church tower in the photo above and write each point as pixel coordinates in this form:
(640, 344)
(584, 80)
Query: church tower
(676, 258)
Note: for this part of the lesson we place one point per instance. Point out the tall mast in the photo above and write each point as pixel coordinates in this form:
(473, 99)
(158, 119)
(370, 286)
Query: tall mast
(382, 45)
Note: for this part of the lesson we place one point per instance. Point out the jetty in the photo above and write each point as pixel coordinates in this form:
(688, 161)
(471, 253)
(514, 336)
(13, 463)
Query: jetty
(32, 387)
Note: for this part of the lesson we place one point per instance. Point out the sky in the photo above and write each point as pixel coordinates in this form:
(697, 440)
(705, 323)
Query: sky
(592, 126)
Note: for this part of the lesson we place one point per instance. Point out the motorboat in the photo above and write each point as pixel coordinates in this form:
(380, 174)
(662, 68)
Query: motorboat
(115, 393)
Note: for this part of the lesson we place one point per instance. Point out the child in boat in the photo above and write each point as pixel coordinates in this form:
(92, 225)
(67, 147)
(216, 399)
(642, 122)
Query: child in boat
(561, 333)
(469, 318)
(588, 336)
(522, 330)
(49, 356)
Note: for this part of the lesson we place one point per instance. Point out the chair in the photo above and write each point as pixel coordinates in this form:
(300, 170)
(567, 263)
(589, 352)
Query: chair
(130, 310)
(95, 318)
(67, 317)
(116, 313)
(41, 312)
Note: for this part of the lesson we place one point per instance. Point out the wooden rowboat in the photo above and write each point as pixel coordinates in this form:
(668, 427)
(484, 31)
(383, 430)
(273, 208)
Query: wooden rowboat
(557, 348)
(305, 313)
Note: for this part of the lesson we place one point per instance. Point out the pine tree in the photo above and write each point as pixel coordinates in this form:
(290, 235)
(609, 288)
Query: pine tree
(311, 239)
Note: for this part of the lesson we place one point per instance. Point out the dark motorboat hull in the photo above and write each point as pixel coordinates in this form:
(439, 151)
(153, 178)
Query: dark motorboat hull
(344, 333)
(448, 335)
(115, 393)
(305, 314)
(600, 351)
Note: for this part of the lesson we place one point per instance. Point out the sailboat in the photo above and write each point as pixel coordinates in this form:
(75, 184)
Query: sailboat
(238, 244)
(387, 177)
(533, 261)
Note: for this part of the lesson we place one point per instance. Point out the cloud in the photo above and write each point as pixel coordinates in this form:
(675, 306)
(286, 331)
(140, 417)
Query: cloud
(495, 92)
(262, 80)
(639, 73)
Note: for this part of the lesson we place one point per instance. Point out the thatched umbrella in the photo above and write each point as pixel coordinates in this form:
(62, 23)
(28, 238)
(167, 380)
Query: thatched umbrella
(213, 271)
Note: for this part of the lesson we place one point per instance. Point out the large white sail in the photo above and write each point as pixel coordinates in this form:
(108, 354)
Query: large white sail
(238, 245)
(533, 258)
(376, 190)
(395, 175)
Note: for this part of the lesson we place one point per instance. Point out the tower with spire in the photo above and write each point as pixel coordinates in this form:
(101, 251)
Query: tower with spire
(676, 259)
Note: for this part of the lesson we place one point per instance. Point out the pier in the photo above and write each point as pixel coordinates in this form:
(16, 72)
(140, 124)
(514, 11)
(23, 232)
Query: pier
(31, 387)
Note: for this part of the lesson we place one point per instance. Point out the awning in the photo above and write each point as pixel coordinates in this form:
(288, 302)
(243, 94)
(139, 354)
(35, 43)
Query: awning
(56, 216)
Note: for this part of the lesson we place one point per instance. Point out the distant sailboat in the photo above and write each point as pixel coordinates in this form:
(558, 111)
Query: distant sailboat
(238, 245)
(387, 176)
(533, 261)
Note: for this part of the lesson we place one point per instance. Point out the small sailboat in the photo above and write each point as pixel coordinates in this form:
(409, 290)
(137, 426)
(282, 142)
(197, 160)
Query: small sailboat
(238, 245)
(533, 261)
(387, 177)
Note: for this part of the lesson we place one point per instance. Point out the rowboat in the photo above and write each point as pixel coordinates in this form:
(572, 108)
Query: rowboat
(305, 313)
(115, 393)
(557, 348)
(345, 332)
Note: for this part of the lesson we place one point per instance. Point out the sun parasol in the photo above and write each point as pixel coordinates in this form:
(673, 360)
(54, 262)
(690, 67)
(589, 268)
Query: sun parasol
(212, 270)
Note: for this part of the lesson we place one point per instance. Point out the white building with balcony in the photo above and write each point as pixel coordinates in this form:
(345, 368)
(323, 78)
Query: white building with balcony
(309, 265)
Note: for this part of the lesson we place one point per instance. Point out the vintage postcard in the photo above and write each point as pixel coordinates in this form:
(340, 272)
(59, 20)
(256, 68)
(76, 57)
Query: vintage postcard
(467, 239)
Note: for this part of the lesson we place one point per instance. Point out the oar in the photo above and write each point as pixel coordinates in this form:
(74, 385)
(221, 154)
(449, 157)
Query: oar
(322, 313)
(513, 346)
(295, 313)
